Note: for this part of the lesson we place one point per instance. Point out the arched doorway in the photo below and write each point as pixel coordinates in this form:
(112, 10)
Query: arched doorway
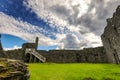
(27, 57)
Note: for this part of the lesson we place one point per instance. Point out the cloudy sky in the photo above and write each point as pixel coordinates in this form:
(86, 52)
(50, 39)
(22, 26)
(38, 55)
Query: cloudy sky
(59, 24)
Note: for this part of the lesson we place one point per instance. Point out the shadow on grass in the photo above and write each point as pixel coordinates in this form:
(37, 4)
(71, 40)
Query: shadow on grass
(104, 78)
(116, 74)
(89, 78)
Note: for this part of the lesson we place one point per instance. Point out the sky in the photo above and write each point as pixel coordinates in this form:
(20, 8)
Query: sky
(59, 24)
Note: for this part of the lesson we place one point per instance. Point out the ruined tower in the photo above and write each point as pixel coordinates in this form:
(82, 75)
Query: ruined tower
(111, 37)
(0, 43)
(30, 52)
(36, 42)
(2, 54)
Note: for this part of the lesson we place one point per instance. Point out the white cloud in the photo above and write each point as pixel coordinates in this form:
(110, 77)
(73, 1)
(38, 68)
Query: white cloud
(93, 39)
(15, 47)
(24, 30)
(84, 20)
(57, 11)
(88, 17)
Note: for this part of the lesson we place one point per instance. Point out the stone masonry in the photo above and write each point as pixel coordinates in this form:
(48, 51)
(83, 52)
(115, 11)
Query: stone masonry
(111, 38)
(2, 53)
(90, 55)
(13, 70)
(87, 55)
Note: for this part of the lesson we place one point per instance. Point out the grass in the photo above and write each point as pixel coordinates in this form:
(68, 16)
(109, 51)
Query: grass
(74, 71)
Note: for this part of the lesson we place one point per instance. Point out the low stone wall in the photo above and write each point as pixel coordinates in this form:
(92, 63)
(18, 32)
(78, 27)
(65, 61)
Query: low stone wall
(13, 70)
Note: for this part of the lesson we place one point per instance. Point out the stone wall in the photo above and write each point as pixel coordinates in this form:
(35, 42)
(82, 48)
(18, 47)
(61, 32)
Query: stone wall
(111, 37)
(15, 54)
(60, 56)
(91, 55)
(13, 70)
(2, 55)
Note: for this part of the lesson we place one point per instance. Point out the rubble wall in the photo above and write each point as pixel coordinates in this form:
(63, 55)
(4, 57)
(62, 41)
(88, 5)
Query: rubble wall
(13, 70)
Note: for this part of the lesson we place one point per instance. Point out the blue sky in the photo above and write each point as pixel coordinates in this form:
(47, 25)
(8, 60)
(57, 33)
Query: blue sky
(59, 24)
(9, 41)
(16, 9)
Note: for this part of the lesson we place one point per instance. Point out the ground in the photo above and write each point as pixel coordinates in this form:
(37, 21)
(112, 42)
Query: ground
(74, 71)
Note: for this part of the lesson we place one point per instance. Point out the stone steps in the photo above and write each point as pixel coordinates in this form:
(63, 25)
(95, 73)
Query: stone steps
(36, 54)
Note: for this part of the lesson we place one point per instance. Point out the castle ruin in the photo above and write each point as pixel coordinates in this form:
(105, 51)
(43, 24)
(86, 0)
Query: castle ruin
(30, 52)
(108, 53)
(2, 53)
(111, 38)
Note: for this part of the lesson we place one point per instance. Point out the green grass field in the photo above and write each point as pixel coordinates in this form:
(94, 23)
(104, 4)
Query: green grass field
(74, 71)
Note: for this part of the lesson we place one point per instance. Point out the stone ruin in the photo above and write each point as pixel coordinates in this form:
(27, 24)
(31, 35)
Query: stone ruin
(2, 54)
(108, 53)
(91, 55)
(111, 37)
(12, 69)
(87, 55)
(31, 54)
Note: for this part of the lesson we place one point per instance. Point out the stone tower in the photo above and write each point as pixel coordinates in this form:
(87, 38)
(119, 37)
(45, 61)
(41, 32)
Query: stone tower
(2, 54)
(36, 42)
(30, 52)
(111, 37)
(0, 43)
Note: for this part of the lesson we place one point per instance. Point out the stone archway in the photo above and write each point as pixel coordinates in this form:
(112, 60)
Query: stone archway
(27, 57)
(31, 55)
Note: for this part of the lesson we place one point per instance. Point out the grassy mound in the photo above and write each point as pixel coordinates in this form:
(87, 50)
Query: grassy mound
(50, 71)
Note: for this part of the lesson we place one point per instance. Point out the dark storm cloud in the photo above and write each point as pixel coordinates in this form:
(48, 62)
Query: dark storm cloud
(60, 10)
(57, 17)
(71, 41)
(65, 13)
(91, 22)
(95, 21)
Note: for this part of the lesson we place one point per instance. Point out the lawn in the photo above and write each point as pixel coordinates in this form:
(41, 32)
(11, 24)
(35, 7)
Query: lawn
(74, 71)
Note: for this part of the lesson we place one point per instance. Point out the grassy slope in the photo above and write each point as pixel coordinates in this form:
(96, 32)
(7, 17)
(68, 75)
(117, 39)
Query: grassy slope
(74, 71)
